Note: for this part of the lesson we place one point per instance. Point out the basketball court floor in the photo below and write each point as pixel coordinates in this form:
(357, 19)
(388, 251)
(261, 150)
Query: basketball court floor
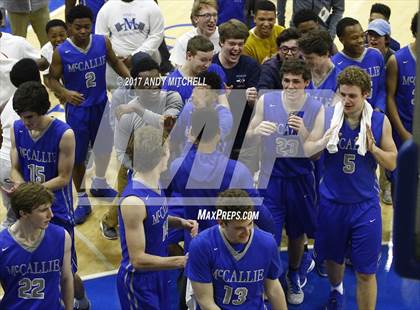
(99, 258)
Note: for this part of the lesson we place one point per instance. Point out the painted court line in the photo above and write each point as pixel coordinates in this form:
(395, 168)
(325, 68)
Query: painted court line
(94, 249)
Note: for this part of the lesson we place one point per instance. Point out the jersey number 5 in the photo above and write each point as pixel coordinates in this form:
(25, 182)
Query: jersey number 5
(31, 289)
(349, 166)
(240, 294)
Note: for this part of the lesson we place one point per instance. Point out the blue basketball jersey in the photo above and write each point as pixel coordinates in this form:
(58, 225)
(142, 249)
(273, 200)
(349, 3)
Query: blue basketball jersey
(406, 63)
(155, 225)
(284, 145)
(349, 177)
(38, 160)
(84, 71)
(31, 277)
(325, 91)
(237, 276)
(372, 62)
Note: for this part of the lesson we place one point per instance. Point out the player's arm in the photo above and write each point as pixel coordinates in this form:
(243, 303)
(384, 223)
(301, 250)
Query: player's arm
(56, 71)
(386, 153)
(317, 140)
(114, 62)
(65, 162)
(15, 172)
(392, 111)
(275, 294)
(133, 213)
(203, 292)
(66, 275)
(258, 127)
(179, 222)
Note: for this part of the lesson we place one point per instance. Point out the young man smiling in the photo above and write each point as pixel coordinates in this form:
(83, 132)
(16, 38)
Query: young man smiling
(204, 19)
(354, 53)
(261, 43)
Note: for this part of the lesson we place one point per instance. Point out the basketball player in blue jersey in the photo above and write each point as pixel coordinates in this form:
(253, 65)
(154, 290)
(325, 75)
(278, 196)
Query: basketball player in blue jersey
(283, 121)
(94, 5)
(354, 53)
(232, 265)
(315, 46)
(143, 223)
(202, 172)
(401, 83)
(35, 267)
(81, 61)
(42, 151)
(350, 212)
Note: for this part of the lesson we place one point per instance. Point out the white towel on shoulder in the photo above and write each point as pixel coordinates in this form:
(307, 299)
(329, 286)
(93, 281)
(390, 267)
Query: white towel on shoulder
(337, 122)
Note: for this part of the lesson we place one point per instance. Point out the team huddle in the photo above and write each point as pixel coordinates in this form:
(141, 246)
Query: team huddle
(246, 128)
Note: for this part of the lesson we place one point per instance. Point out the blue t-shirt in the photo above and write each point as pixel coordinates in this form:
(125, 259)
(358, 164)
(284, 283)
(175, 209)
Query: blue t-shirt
(237, 277)
(84, 71)
(243, 75)
(372, 62)
(177, 82)
(31, 278)
(349, 177)
(228, 9)
(38, 161)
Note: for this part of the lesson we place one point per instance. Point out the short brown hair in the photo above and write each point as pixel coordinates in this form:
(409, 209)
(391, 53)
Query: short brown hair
(29, 196)
(355, 76)
(199, 44)
(233, 29)
(234, 200)
(296, 66)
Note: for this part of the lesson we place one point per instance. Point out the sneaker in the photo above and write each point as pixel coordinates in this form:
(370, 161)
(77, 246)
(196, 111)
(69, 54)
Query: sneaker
(335, 301)
(294, 294)
(387, 197)
(108, 232)
(82, 211)
(100, 188)
(76, 306)
(320, 266)
(306, 266)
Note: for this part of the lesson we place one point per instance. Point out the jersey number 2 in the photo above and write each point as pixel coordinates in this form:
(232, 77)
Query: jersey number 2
(90, 79)
(240, 293)
(31, 289)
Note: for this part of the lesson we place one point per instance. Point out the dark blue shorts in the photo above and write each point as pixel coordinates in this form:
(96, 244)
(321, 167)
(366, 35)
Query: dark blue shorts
(91, 128)
(149, 290)
(292, 201)
(69, 227)
(350, 228)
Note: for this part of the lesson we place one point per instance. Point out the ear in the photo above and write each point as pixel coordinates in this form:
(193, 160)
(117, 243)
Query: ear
(188, 55)
(365, 94)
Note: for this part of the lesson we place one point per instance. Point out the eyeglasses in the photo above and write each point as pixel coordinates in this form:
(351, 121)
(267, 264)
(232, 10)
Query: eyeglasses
(285, 49)
(207, 16)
